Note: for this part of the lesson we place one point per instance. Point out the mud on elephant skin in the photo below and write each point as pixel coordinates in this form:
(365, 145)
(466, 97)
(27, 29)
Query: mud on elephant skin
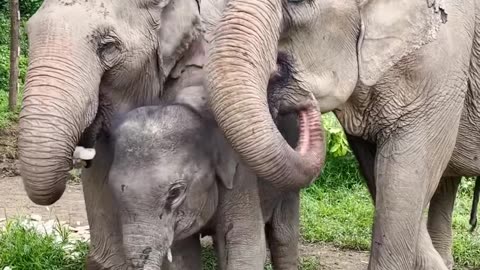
(175, 176)
(401, 76)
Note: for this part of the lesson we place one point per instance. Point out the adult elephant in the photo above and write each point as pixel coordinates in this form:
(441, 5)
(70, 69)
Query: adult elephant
(90, 60)
(403, 77)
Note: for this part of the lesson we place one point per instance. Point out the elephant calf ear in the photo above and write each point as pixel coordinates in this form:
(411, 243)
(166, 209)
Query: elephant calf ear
(392, 29)
(226, 162)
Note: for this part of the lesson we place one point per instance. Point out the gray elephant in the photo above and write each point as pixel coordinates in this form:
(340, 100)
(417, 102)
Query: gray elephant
(401, 76)
(89, 62)
(174, 176)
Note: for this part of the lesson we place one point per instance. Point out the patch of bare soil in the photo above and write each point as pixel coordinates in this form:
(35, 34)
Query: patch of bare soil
(15, 202)
(8, 152)
(332, 258)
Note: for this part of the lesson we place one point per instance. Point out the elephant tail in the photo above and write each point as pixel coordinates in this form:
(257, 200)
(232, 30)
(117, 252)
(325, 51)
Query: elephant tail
(476, 196)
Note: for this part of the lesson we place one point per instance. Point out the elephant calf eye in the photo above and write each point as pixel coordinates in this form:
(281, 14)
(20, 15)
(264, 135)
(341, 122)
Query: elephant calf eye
(174, 193)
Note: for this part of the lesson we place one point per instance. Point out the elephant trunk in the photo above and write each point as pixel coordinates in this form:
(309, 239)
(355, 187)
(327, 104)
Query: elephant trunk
(61, 86)
(242, 59)
(144, 246)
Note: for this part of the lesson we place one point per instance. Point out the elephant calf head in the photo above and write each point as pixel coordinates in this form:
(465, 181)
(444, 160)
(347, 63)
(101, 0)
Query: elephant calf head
(84, 55)
(167, 164)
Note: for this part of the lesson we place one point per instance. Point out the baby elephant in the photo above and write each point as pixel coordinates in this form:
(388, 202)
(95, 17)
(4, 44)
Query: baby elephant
(174, 177)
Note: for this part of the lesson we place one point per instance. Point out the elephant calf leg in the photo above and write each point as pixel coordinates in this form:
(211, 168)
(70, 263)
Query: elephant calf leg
(440, 218)
(283, 233)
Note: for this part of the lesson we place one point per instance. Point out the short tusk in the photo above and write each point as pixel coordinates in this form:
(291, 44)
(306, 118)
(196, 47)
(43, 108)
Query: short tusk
(169, 255)
(81, 155)
(84, 153)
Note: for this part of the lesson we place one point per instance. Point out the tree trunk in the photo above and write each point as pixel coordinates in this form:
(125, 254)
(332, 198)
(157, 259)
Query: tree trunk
(14, 53)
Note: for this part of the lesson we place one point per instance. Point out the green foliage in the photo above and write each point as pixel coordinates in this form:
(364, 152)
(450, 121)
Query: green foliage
(466, 245)
(5, 68)
(23, 247)
(336, 140)
(27, 7)
(7, 117)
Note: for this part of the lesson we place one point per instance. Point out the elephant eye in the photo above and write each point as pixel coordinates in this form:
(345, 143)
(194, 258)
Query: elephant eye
(175, 195)
(296, 1)
(109, 50)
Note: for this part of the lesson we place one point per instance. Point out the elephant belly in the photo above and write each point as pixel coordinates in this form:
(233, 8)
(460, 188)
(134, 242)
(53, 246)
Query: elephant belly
(465, 160)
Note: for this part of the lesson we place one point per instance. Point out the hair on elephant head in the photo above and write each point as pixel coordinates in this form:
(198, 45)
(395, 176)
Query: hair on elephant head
(329, 46)
(89, 59)
(168, 161)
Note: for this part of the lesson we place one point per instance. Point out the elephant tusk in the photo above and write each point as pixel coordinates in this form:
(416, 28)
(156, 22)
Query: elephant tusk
(169, 255)
(81, 155)
(84, 153)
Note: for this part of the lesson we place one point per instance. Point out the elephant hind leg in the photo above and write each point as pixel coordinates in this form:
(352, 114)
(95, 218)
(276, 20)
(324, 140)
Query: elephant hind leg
(476, 197)
(427, 256)
(440, 217)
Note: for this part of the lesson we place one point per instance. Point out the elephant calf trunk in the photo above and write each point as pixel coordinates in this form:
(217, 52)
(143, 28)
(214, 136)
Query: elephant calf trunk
(144, 246)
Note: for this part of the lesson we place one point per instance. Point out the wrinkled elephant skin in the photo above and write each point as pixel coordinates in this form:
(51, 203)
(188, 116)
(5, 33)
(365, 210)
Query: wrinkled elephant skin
(403, 79)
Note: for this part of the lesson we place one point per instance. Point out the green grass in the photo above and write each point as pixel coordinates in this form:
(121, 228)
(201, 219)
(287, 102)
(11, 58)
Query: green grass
(23, 247)
(466, 245)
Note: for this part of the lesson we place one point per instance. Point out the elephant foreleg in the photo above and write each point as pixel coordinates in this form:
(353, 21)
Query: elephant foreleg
(440, 217)
(283, 233)
(407, 175)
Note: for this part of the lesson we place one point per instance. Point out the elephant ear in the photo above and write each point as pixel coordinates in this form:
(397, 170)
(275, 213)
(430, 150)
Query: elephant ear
(180, 26)
(392, 29)
(226, 161)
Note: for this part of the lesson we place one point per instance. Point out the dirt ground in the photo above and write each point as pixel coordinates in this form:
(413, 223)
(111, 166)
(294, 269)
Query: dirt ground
(71, 209)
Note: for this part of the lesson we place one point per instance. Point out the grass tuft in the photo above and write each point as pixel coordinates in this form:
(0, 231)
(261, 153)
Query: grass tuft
(24, 247)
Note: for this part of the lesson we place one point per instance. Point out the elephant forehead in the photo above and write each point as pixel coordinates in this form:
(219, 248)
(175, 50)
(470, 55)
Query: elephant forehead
(161, 173)
(177, 156)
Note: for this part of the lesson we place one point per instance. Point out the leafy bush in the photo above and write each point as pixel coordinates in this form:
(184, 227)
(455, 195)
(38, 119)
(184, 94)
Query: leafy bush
(5, 68)
(5, 54)
(27, 7)
(336, 140)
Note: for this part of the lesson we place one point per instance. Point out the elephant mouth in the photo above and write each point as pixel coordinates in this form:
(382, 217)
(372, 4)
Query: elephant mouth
(287, 98)
(84, 151)
(308, 123)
